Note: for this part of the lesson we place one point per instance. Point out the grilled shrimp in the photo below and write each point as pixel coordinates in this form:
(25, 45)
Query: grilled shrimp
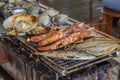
(43, 36)
(37, 38)
(67, 40)
(60, 34)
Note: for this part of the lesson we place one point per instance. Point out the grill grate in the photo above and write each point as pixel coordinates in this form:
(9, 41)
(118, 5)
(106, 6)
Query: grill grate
(63, 67)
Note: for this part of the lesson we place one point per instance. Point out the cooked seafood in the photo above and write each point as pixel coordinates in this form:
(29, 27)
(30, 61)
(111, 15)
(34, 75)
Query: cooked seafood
(42, 30)
(53, 37)
(44, 20)
(47, 30)
(51, 12)
(2, 3)
(72, 38)
(60, 34)
(34, 10)
(98, 46)
(18, 11)
(27, 5)
(41, 37)
(60, 19)
(38, 30)
(20, 22)
(69, 55)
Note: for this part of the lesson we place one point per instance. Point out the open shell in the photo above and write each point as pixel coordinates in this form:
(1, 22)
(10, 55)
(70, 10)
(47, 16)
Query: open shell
(20, 22)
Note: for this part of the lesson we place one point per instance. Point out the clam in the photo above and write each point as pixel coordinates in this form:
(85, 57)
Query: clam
(2, 3)
(51, 12)
(34, 10)
(11, 1)
(6, 9)
(44, 20)
(31, 0)
(18, 11)
(60, 19)
(15, 1)
(27, 5)
(20, 22)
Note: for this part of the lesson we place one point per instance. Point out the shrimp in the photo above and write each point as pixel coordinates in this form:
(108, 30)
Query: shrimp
(60, 34)
(53, 37)
(37, 38)
(67, 40)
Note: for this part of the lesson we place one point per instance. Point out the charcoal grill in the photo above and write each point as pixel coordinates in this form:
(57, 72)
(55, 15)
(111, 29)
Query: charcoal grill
(60, 66)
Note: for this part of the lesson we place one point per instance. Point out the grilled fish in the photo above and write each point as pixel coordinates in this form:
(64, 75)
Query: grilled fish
(98, 46)
(68, 55)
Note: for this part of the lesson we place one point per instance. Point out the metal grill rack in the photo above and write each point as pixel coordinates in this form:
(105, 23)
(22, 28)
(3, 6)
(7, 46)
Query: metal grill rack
(63, 67)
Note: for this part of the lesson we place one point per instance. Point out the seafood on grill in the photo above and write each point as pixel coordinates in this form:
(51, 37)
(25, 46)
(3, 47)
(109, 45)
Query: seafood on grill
(37, 38)
(44, 32)
(60, 19)
(20, 23)
(44, 20)
(68, 55)
(18, 11)
(98, 45)
(51, 12)
(70, 39)
(39, 30)
(60, 34)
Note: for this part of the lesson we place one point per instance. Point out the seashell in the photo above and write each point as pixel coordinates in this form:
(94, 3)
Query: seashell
(20, 22)
(6, 9)
(60, 19)
(27, 5)
(17, 1)
(11, 1)
(8, 6)
(34, 10)
(51, 12)
(18, 11)
(2, 3)
(39, 30)
(31, 0)
(44, 20)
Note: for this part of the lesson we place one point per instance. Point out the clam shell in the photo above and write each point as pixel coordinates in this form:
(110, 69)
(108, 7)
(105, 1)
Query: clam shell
(20, 22)
(51, 12)
(27, 5)
(34, 10)
(2, 3)
(60, 19)
(44, 20)
(18, 11)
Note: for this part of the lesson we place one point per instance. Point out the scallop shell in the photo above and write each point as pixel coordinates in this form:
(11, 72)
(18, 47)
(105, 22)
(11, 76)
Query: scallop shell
(20, 22)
